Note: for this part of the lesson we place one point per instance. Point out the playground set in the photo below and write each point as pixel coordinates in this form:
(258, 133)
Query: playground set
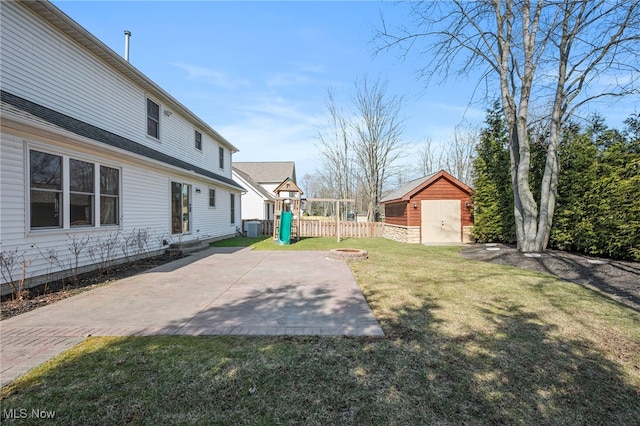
(287, 212)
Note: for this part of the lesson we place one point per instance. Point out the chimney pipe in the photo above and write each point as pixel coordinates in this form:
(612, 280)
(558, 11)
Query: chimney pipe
(127, 36)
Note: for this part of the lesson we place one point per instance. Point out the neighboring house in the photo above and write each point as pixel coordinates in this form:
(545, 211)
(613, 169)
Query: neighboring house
(257, 202)
(93, 151)
(433, 209)
(261, 179)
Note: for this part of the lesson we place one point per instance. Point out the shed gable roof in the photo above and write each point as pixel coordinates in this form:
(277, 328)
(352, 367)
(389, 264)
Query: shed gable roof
(408, 190)
(267, 171)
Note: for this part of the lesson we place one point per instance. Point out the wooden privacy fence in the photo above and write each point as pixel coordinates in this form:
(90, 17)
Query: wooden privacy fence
(265, 228)
(326, 228)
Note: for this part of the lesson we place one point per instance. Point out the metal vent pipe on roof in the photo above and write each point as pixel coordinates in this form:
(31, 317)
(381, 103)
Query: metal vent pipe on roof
(127, 36)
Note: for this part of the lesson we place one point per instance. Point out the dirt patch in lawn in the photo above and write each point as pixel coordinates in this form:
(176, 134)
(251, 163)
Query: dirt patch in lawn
(619, 279)
(52, 292)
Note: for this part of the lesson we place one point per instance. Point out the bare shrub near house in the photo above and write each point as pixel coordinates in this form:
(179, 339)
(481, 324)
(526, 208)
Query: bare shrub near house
(103, 249)
(76, 246)
(135, 244)
(10, 260)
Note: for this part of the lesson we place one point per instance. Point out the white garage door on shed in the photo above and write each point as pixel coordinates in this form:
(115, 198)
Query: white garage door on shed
(440, 221)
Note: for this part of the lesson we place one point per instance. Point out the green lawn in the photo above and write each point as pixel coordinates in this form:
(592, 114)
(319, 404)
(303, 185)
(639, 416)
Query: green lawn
(466, 343)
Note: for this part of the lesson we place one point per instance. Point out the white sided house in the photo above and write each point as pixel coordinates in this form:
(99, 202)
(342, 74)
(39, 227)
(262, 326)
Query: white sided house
(261, 178)
(98, 164)
(257, 202)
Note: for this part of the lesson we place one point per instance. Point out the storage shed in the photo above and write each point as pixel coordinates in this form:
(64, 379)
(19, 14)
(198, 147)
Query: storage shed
(432, 209)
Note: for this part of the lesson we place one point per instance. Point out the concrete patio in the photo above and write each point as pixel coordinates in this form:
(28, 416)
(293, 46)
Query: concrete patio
(219, 291)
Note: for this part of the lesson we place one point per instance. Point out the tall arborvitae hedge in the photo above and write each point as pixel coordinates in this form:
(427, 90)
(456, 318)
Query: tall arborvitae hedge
(598, 202)
(493, 194)
(598, 209)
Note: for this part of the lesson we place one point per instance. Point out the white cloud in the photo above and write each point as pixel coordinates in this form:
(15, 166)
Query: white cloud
(273, 139)
(288, 79)
(272, 128)
(276, 107)
(211, 76)
(301, 75)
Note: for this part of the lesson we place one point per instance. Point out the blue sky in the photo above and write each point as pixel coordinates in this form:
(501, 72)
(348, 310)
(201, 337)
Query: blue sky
(258, 72)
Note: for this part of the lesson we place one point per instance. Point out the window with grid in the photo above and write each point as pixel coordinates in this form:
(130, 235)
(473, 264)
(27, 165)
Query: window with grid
(53, 204)
(233, 208)
(212, 197)
(198, 138)
(81, 192)
(221, 157)
(109, 196)
(46, 189)
(153, 119)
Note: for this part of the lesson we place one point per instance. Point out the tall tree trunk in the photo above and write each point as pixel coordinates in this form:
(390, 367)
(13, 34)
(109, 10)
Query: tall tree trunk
(526, 209)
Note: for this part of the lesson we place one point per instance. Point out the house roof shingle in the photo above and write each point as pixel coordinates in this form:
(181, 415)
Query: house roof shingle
(41, 113)
(50, 13)
(404, 189)
(255, 185)
(268, 171)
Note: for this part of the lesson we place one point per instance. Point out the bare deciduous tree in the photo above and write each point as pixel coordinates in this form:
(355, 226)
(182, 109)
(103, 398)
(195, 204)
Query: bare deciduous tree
(429, 161)
(377, 144)
(359, 149)
(459, 153)
(562, 54)
(334, 147)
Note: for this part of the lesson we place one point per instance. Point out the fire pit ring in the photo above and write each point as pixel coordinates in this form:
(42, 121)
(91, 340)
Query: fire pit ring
(348, 254)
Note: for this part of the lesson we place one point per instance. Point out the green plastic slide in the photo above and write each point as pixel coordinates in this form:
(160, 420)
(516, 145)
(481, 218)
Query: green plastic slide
(284, 231)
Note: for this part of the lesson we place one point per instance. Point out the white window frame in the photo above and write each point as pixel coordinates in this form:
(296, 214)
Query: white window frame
(198, 140)
(117, 196)
(184, 210)
(221, 158)
(232, 208)
(64, 206)
(153, 118)
(212, 206)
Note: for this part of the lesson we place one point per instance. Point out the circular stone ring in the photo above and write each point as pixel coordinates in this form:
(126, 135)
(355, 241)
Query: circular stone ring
(348, 254)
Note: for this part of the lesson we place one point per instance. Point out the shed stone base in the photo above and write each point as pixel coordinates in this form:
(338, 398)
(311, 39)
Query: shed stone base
(402, 234)
(411, 234)
(466, 234)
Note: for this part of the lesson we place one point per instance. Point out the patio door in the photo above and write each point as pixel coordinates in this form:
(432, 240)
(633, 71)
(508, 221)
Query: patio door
(180, 208)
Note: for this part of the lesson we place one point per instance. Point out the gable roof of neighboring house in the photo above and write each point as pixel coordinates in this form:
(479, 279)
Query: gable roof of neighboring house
(253, 184)
(408, 190)
(23, 108)
(268, 171)
(54, 16)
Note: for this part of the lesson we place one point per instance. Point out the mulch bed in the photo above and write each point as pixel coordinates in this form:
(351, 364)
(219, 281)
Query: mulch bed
(619, 279)
(52, 292)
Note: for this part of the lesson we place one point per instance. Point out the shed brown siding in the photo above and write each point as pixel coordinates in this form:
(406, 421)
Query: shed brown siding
(396, 213)
(400, 210)
(442, 189)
